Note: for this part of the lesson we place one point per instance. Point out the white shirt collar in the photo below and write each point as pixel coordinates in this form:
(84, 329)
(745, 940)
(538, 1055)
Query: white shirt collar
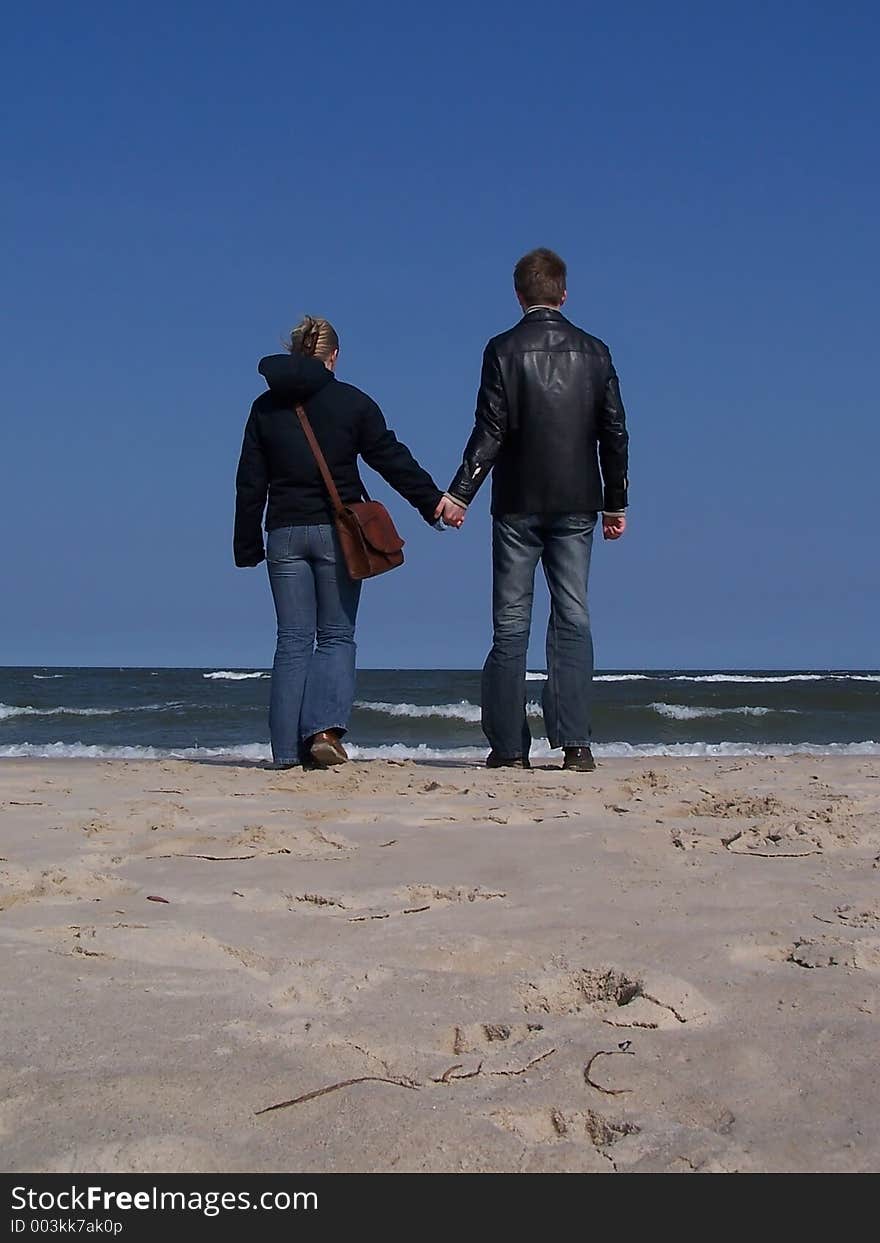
(541, 306)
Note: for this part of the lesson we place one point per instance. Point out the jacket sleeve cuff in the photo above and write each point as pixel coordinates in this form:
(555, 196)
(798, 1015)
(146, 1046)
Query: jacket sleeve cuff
(462, 489)
(428, 511)
(246, 559)
(456, 500)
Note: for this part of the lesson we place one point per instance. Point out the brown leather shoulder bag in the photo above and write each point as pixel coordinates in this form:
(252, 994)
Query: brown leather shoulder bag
(369, 540)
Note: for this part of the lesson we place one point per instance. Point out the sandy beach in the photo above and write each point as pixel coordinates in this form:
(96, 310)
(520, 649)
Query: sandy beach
(667, 965)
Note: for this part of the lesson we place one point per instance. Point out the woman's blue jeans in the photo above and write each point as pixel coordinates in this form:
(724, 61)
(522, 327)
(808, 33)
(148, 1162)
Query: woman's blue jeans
(316, 602)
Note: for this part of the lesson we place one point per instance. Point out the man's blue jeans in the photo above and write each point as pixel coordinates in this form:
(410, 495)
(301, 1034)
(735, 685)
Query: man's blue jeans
(316, 602)
(562, 543)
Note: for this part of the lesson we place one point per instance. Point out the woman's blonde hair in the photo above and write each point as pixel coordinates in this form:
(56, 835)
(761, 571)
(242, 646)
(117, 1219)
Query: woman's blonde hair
(313, 336)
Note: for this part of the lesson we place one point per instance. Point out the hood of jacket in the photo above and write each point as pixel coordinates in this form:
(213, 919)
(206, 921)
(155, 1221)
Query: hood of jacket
(296, 377)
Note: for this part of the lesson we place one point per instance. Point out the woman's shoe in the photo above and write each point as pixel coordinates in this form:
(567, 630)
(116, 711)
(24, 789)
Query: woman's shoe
(326, 749)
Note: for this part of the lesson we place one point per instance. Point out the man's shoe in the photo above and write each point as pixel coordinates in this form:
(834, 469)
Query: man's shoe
(326, 749)
(493, 760)
(579, 760)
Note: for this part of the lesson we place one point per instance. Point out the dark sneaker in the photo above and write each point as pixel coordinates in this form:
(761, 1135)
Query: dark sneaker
(497, 761)
(278, 766)
(326, 749)
(579, 760)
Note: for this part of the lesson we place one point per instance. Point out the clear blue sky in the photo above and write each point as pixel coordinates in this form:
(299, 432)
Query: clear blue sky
(184, 180)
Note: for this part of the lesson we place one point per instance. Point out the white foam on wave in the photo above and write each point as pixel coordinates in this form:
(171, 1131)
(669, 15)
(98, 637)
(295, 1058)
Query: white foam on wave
(234, 675)
(684, 712)
(541, 749)
(693, 749)
(787, 677)
(461, 711)
(464, 710)
(623, 677)
(601, 677)
(10, 710)
(46, 677)
(99, 751)
(733, 677)
(254, 751)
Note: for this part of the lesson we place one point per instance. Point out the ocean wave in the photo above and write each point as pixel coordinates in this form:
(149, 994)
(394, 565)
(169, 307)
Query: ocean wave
(256, 751)
(605, 677)
(787, 677)
(464, 710)
(736, 677)
(100, 751)
(10, 710)
(234, 675)
(46, 677)
(682, 712)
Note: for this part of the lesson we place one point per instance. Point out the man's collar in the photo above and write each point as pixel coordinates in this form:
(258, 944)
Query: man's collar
(542, 306)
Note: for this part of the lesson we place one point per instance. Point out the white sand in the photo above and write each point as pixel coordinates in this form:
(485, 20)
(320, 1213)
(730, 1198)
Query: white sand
(477, 935)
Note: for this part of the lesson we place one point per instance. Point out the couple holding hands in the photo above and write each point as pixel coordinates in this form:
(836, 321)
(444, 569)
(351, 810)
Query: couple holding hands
(549, 424)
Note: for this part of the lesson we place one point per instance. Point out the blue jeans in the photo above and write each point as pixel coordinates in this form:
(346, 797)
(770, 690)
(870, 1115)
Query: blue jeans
(562, 543)
(314, 670)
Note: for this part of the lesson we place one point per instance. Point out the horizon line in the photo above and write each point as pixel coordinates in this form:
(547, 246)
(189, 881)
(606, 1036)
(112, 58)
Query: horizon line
(738, 668)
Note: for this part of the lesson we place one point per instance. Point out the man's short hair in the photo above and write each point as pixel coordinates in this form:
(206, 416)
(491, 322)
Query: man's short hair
(539, 278)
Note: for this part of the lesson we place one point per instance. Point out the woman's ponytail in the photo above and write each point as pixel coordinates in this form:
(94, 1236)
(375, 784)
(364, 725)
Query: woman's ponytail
(314, 337)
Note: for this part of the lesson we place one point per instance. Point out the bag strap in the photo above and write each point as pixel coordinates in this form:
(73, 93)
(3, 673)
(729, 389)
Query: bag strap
(335, 500)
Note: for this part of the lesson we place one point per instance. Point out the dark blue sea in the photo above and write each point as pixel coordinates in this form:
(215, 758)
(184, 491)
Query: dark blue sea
(434, 713)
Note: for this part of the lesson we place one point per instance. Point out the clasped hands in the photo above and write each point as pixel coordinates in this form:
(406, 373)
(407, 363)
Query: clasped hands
(453, 515)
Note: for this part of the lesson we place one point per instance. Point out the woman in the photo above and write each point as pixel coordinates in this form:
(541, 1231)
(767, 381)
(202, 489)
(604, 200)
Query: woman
(313, 676)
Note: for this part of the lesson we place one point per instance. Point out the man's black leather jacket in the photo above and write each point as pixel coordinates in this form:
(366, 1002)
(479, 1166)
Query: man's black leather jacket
(549, 415)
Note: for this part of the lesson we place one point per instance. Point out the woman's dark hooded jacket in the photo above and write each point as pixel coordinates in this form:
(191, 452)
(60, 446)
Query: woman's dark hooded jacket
(277, 465)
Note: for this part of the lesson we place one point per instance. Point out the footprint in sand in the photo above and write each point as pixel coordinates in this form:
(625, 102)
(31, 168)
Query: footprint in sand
(827, 951)
(56, 885)
(649, 782)
(618, 998)
(858, 916)
(720, 806)
(779, 830)
(489, 1038)
(550, 1126)
(769, 840)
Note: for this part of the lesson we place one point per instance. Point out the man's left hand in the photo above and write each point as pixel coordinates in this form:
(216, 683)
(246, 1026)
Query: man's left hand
(613, 525)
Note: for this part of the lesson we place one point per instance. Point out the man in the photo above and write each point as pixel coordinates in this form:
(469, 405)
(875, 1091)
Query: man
(551, 422)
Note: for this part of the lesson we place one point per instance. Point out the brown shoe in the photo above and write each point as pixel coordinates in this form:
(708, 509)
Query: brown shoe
(579, 760)
(326, 749)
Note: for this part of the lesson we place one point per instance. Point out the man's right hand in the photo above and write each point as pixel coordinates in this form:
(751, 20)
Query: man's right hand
(613, 525)
(453, 515)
